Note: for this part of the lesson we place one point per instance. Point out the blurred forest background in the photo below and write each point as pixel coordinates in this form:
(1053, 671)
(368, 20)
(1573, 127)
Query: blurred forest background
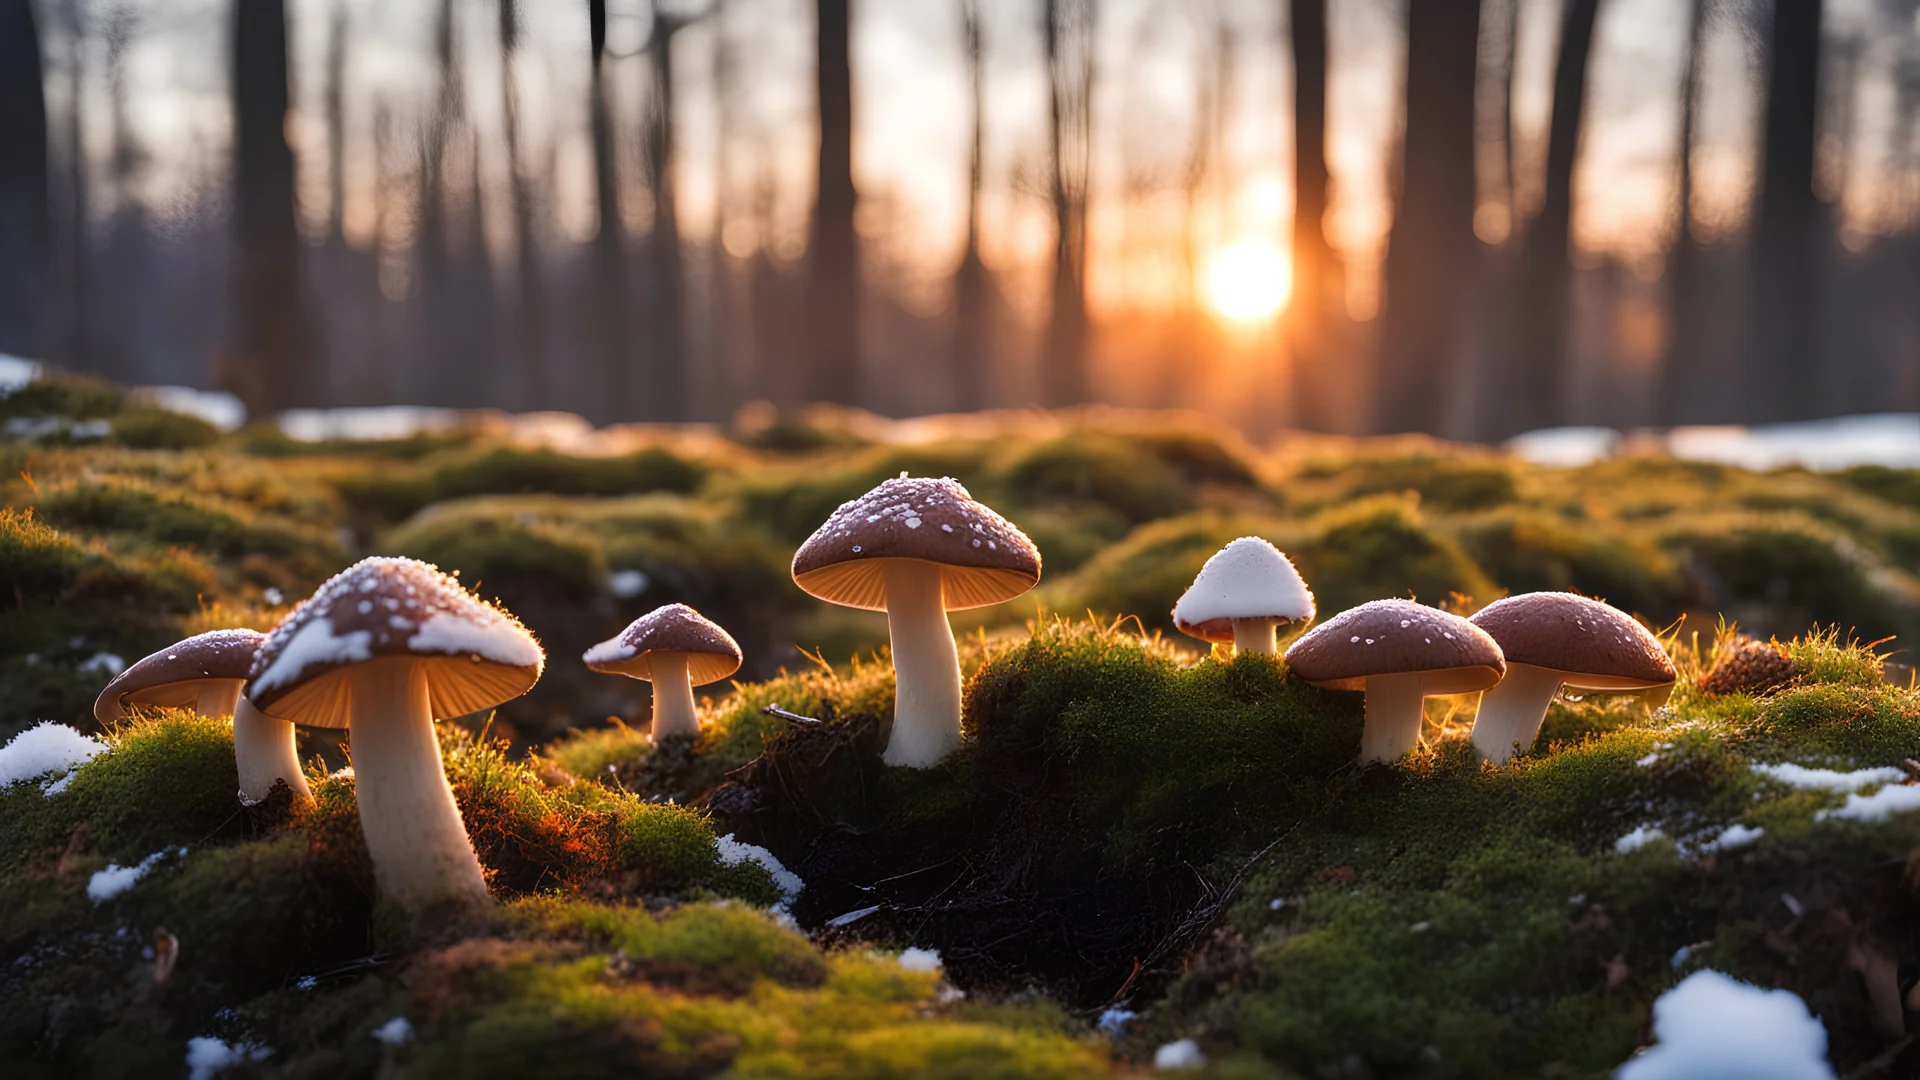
(1465, 218)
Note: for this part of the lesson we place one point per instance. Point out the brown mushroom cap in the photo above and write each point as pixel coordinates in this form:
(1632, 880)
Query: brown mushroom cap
(711, 652)
(1594, 646)
(171, 678)
(383, 609)
(1398, 637)
(984, 558)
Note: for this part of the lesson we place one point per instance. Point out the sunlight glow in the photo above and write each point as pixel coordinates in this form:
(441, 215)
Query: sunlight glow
(1248, 281)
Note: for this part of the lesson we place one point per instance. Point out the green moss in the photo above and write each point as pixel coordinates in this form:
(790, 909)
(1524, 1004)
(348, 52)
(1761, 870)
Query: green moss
(1529, 551)
(1791, 573)
(1121, 475)
(510, 557)
(391, 496)
(713, 947)
(143, 427)
(1445, 480)
(166, 519)
(590, 753)
(76, 397)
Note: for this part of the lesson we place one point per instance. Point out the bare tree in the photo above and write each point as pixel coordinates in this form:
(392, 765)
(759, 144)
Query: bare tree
(530, 309)
(611, 384)
(1317, 275)
(273, 352)
(25, 187)
(667, 337)
(1431, 249)
(831, 313)
(972, 282)
(1785, 382)
(1681, 367)
(1068, 34)
(1538, 370)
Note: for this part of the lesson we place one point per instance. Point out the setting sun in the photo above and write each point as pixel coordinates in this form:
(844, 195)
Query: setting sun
(1248, 281)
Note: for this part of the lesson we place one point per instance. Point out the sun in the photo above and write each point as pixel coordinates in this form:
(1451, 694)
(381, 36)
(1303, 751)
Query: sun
(1248, 281)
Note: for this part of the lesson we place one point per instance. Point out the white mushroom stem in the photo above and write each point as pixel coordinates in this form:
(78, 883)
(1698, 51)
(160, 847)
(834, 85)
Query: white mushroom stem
(422, 859)
(1255, 635)
(1395, 711)
(1511, 712)
(673, 712)
(926, 667)
(263, 749)
(218, 697)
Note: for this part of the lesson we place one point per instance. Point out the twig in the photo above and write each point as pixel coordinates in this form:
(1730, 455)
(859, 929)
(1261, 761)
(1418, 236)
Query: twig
(791, 717)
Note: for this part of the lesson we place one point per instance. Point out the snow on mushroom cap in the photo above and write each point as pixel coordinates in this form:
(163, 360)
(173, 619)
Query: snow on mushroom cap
(1392, 637)
(383, 607)
(711, 652)
(217, 654)
(1569, 633)
(987, 559)
(1247, 579)
(1711, 1025)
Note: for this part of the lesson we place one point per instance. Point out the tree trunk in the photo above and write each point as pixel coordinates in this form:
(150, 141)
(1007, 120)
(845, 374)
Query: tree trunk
(528, 372)
(831, 312)
(25, 238)
(1431, 253)
(1068, 35)
(1681, 368)
(667, 351)
(1318, 282)
(609, 384)
(274, 354)
(972, 284)
(1537, 374)
(1784, 382)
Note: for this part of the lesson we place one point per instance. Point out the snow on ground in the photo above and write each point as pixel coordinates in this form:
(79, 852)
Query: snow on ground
(1712, 1027)
(1891, 439)
(207, 1055)
(216, 407)
(1184, 1054)
(1733, 836)
(367, 424)
(45, 748)
(1637, 839)
(733, 852)
(116, 879)
(395, 1032)
(1876, 807)
(1114, 1021)
(1800, 776)
(921, 960)
(627, 584)
(1566, 447)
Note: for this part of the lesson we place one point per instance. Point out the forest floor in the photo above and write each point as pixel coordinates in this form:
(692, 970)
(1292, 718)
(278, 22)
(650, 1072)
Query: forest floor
(1139, 844)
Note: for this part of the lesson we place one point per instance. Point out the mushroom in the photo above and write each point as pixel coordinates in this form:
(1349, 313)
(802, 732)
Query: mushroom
(384, 649)
(918, 548)
(1243, 592)
(1555, 639)
(676, 648)
(1398, 652)
(205, 673)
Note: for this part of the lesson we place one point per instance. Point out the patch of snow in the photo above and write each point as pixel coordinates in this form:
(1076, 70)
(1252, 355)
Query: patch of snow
(497, 640)
(1564, 447)
(367, 424)
(733, 852)
(116, 879)
(1649, 760)
(611, 651)
(921, 960)
(1877, 807)
(103, 663)
(16, 373)
(1247, 579)
(221, 409)
(395, 1032)
(1733, 836)
(45, 748)
(1799, 776)
(1712, 1026)
(313, 644)
(1184, 1055)
(55, 787)
(1114, 1021)
(1680, 957)
(1637, 839)
(207, 1055)
(1891, 439)
(627, 584)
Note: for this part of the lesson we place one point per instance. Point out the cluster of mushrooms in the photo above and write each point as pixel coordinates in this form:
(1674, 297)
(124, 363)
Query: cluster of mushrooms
(391, 645)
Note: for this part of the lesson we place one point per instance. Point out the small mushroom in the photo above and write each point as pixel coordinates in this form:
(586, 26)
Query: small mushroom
(205, 673)
(1555, 639)
(384, 649)
(675, 648)
(916, 549)
(1398, 652)
(1242, 593)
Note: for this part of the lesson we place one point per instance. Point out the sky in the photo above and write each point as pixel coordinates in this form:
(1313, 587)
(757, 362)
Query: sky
(1159, 62)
